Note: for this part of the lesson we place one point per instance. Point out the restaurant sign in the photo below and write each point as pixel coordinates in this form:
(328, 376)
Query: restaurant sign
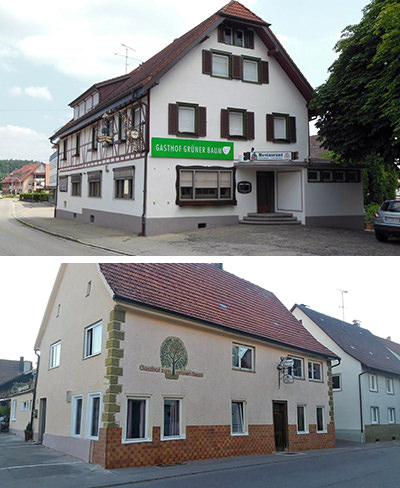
(271, 156)
(191, 149)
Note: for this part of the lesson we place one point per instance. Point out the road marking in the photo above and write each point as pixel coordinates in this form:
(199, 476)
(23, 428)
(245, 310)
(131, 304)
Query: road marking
(39, 465)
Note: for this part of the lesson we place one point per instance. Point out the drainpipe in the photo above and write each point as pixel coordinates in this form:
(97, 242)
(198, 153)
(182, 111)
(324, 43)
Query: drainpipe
(361, 409)
(147, 126)
(34, 388)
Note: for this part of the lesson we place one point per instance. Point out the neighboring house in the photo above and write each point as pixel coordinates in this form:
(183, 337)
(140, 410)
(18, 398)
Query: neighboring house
(366, 383)
(161, 363)
(212, 128)
(28, 179)
(9, 369)
(53, 171)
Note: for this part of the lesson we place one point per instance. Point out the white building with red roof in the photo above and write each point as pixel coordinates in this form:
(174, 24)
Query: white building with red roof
(161, 363)
(212, 130)
(30, 178)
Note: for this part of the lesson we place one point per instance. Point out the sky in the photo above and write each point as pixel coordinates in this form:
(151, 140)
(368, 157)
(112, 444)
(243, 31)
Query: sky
(371, 283)
(51, 52)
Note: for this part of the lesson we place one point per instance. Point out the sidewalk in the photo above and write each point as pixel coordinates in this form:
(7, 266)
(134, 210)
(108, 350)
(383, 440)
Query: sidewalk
(21, 462)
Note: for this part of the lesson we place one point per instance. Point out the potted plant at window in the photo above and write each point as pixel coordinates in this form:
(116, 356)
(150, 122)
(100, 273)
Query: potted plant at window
(28, 432)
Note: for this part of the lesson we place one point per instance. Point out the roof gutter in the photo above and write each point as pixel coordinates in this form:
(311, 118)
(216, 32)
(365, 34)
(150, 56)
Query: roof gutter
(219, 326)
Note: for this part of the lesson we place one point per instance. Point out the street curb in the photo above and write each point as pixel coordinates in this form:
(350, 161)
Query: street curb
(68, 238)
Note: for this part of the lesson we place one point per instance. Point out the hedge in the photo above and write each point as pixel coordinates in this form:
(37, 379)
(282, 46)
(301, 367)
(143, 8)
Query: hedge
(34, 197)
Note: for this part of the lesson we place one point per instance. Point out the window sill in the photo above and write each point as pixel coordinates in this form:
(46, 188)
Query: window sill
(239, 434)
(173, 438)
(92, 355)
(136, 441)
(243, 370)
(303, 433)
(322, 431)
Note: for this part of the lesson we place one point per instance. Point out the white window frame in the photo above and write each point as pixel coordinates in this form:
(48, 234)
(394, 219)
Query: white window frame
(391, 415)
(55, 355)
(254, 77)
(236, 123)
(306, 429)
(291, 369)
(25, 406)
(187, 119)
(374, 415)
(389, 386)
(89, 415)
(240, 347)
(14, 411)
(182, 434)
(323, 430)
(373, 382)
(245, 428)
(280, 131)
(147, 435)
(88, 347)
(340, 382)
(227, 59)
(74, 412)
(312, 377)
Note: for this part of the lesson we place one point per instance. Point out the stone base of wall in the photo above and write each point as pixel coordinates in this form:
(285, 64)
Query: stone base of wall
(201, 442)
(355, 222)
(381, 433)
(312, 440)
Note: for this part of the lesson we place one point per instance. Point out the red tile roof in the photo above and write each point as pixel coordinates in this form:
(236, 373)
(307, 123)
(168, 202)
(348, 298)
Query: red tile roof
(206, 293)
(360, 343)
(20, 174)
(149, 72)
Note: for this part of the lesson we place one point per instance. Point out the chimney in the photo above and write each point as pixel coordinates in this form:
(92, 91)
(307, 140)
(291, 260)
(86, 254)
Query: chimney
(389, 338)
(21, 364)
(219, 265)
(357, 322)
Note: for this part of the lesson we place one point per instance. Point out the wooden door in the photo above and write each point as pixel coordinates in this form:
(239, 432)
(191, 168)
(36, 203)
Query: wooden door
(280, 426)
(265, 191)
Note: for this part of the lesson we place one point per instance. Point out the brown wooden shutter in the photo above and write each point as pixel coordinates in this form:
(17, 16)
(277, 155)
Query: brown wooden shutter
(292, 129)
(221, 33)
(202, 121)
(250, 125)
(224, 123)
(270, 127)
(207, 62)
(173, 119)
(237, 67)
(249, 39)
(264, 72)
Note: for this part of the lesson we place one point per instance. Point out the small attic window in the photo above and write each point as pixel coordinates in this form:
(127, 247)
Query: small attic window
(321, 319)
(276, 323)
(223, 306)
(352, 347)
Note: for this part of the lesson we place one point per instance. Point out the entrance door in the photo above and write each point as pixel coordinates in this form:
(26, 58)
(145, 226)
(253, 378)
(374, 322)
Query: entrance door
(280, 426)
(265, 191)
(42, 418)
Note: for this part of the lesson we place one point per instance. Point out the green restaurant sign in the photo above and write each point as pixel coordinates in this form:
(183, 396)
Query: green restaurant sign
(190, 149)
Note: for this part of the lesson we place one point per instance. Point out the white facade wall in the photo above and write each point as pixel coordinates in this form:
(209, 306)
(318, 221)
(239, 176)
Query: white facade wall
(334, 199)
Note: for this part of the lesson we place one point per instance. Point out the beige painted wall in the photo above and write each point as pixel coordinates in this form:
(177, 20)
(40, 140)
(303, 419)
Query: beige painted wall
(75, 374)
(22, 417)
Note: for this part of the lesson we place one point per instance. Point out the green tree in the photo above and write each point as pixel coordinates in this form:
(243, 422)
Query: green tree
(359, 105)
(173, 355)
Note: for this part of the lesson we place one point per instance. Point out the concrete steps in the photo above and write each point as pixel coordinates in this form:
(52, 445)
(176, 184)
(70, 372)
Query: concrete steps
(270, 219)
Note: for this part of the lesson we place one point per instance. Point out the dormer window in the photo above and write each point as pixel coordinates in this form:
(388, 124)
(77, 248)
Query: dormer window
(234, 36)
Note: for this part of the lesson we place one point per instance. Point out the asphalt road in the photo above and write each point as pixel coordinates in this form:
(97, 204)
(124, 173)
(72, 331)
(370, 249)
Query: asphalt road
(350, 466)
(19, 240)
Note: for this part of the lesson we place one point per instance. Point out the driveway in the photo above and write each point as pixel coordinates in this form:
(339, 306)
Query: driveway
(238, 240)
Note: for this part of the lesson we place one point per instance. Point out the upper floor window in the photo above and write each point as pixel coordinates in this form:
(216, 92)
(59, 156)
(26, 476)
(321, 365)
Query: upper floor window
(65, 149)
(92, 344)
(77, 144)
(389, 386)
(373, 382)
(297, 369)
(55, 351)
(336, 382)
(136, 117)
(221, 65)
(95, 135)
(281, 128)
(243, 357)
(234, 36)
(237, 124)
(187, 119)
(314, 371)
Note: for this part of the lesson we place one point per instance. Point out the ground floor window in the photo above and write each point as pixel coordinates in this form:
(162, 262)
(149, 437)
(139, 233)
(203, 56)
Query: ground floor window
(205, 185)
(94, 181)
(320, 419)
(76, 185)
(93, 415)
(136, 419)
(14, 411)
(391, 415)
(374, 415)
(77, 404)
(301, 419)
(124, 182)
(172, 417)
(238, 417)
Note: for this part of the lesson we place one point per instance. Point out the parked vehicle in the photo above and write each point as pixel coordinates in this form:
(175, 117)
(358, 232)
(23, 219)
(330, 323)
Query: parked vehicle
(387, 220)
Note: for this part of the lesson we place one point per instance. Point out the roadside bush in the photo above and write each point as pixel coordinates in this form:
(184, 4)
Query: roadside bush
(369, 214)
(34, 197)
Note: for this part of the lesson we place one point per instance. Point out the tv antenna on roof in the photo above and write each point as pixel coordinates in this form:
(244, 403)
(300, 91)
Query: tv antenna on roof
(342, 306)
(127, 49)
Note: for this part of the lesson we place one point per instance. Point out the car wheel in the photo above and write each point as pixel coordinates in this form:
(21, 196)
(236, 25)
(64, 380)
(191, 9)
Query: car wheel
(381, 237)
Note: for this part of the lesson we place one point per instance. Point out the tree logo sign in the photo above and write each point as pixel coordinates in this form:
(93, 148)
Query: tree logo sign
(173, 356)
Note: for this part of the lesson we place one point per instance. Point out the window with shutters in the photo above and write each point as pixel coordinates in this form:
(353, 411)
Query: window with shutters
(187, 119)
(233, 36)
(281, 128)
(77, 145)
(76, 185)
(94, 181)
(95, 135)
(237, 124)
(251, 71)
(205, 186)
(124, 183)
(221, 65)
